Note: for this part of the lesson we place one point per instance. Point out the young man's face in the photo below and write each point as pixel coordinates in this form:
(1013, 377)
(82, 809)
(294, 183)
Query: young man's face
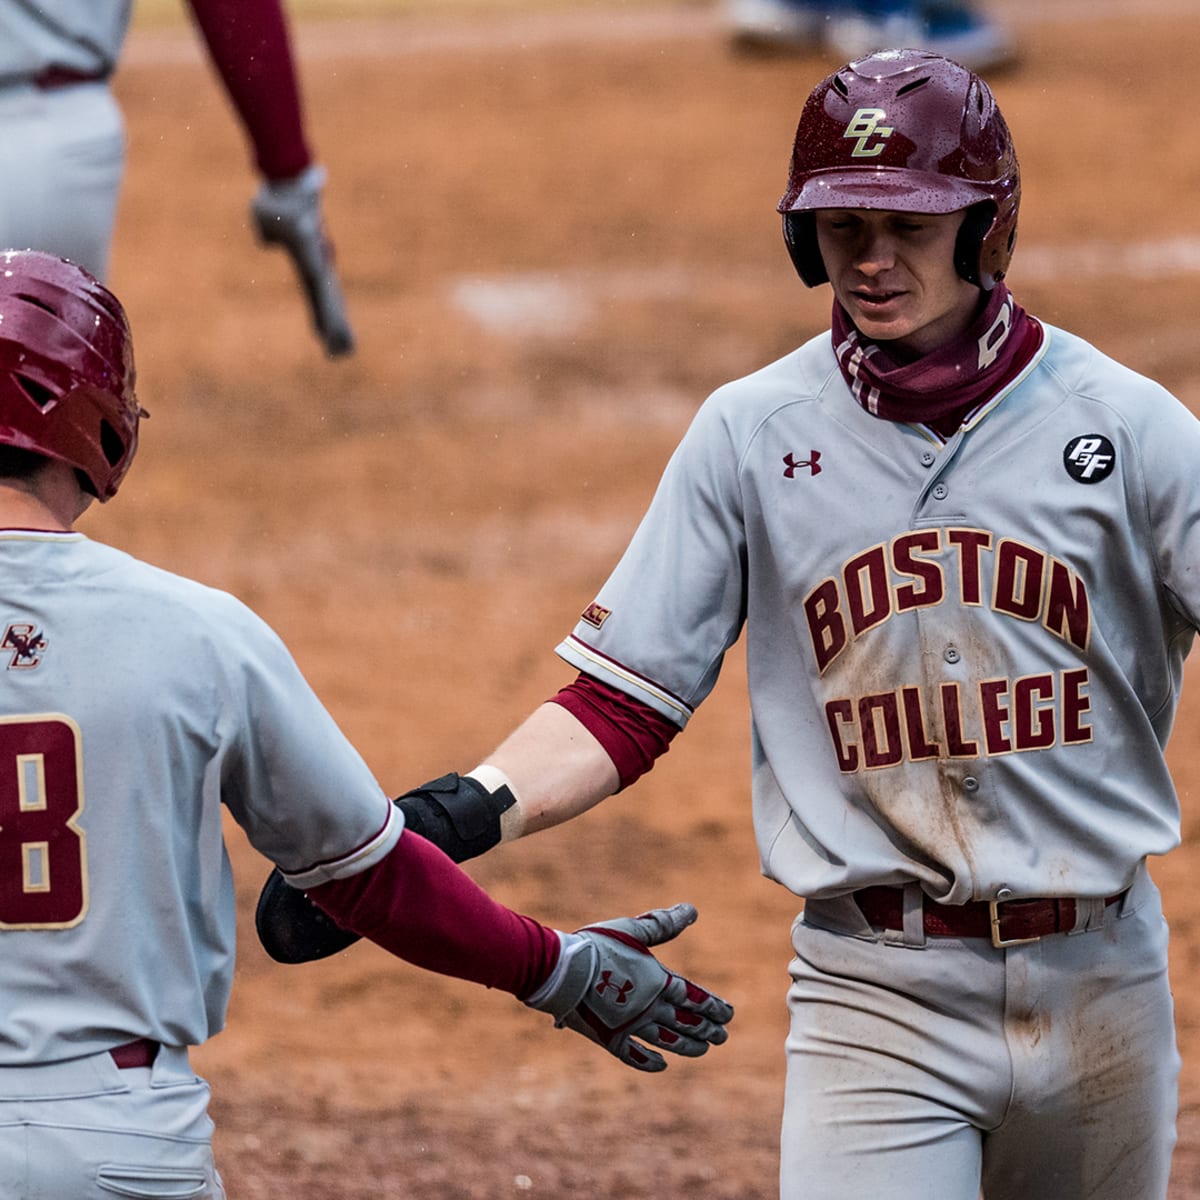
(893, 272)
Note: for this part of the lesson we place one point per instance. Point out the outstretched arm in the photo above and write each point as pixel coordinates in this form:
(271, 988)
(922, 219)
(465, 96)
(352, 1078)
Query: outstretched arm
(602, 980)
(571, 753)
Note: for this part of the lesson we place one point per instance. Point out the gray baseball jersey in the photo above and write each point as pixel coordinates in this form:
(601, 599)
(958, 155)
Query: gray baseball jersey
(964, 657)
(134, 704)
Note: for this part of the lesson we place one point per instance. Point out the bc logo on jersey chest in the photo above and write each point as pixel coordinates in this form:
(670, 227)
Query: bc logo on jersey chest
(23, 644)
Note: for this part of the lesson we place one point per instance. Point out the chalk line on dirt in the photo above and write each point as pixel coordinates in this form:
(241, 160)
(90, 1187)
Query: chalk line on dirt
(405, 36)
(563, 303)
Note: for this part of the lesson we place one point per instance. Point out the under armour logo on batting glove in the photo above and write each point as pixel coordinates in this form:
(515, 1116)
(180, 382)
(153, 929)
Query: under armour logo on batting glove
(606, 982)
(609, 987)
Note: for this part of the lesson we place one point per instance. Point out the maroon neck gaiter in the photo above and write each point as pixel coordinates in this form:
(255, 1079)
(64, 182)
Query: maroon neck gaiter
(943, 387)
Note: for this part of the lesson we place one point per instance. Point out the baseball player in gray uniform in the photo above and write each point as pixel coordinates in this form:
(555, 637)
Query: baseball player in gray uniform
(965, 550)
(133, 705)
(63, 125)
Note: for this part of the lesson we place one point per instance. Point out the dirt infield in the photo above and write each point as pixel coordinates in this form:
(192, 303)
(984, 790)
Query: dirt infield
(554, 246)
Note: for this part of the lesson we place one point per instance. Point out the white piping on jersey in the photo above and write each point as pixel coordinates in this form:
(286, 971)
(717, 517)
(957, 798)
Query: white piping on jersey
(40, 535)
(973, 418)
(612, 667)
(336, 868)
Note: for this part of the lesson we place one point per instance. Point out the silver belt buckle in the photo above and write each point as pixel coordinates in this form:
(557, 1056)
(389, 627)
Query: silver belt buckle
(998, 941)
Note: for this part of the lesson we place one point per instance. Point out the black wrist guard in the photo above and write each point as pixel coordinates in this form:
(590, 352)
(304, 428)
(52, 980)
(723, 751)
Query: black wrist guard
(457, 814)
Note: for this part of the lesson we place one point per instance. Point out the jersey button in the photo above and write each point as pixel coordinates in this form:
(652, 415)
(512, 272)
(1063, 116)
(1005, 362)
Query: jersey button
(951, 654)
(1004, 893)
(928, 458)
(971, 784)
(940, 491)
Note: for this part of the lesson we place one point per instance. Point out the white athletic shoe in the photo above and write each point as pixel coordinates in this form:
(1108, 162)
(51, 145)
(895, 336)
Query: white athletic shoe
(787, 24)
(951, 30)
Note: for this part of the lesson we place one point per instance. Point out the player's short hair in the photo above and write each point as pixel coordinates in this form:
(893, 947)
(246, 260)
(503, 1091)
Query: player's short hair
(905, 131)
(16, 463)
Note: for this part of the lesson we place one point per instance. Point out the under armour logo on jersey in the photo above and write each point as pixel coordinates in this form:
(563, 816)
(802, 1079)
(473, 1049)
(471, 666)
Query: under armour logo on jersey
(792, 464)
(26, 645)
(864, 126)
(622, 989)
(1089, 458)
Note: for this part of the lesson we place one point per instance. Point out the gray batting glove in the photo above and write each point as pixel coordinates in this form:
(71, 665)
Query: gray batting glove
(287, 213)
(609, 987)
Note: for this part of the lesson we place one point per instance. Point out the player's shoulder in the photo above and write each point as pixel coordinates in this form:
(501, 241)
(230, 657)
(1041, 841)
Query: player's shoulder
(799, 377)
(175, 600)
(1086, 372)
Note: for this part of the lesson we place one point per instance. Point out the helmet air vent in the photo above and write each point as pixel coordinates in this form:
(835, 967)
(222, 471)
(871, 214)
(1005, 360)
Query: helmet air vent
(41, 395)
(38, 302)
(912, 86)
(111, 444)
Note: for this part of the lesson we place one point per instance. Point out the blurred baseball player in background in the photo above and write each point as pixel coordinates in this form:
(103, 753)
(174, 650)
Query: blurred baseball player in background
(63, 125)
(852, 28)
(134, 704)
(965, 549)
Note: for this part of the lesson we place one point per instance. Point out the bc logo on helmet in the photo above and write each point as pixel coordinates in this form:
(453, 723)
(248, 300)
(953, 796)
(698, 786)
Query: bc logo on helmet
(864, 126)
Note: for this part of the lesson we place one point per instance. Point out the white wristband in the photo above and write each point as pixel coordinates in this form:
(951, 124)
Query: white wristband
(493, 779)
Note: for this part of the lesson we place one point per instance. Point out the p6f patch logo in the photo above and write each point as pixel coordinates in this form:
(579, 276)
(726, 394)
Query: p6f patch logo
(864, 126)
(1089, 458)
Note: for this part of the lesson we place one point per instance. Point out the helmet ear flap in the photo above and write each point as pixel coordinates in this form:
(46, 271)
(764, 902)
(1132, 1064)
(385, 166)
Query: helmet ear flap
(800, 234)
(968, 248)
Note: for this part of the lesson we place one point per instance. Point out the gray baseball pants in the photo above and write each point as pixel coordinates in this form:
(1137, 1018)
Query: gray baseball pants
(931, 1068)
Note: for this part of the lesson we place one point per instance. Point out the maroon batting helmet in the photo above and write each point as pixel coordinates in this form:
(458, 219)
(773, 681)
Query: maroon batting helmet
(905, 131)
(66, 368)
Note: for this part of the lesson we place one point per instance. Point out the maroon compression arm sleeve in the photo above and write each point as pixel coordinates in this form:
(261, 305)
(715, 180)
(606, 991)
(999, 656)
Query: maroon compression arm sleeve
(632, 733)
(248, 42)
(417, 903)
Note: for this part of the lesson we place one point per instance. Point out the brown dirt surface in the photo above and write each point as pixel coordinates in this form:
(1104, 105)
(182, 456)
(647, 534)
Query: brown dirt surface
(557, 232)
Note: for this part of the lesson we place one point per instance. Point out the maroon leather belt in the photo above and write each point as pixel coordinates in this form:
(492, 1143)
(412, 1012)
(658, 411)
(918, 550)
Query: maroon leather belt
(1006, 923)
(49, 78)
(139, 1053)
